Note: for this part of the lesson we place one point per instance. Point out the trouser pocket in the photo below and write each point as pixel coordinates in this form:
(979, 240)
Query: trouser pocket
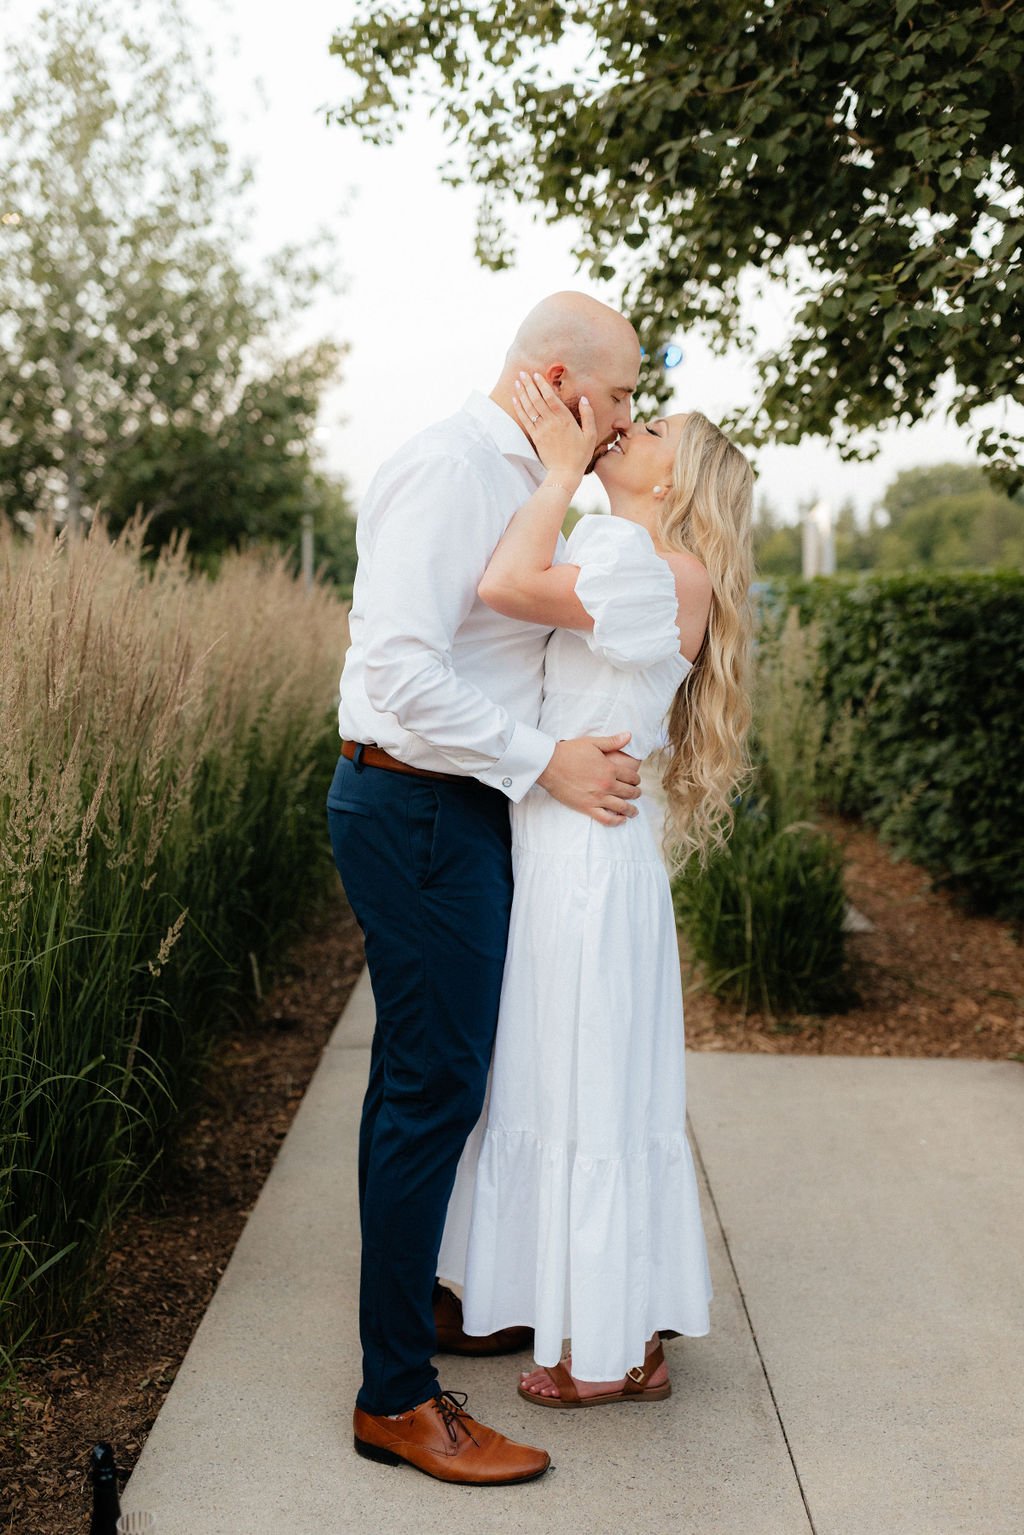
(422, 814)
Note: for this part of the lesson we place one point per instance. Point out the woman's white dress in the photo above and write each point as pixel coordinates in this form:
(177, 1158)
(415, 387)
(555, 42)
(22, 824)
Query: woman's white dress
(575, 1208)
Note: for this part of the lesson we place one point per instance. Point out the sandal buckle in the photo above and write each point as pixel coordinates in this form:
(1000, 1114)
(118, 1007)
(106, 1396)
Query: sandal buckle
(636, 1374)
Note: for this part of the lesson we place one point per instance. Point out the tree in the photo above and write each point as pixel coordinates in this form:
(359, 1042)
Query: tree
(138, 364)
(948, 516)
(869, 150)
(856, 539)
(777, 544)
(244, 474)
(334, 530)
(928, 482)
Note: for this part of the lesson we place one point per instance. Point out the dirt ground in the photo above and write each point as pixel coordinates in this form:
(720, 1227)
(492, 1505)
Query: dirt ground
(932, 983)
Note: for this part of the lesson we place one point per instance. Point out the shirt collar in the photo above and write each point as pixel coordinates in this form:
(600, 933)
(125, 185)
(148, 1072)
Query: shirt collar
(511, 440)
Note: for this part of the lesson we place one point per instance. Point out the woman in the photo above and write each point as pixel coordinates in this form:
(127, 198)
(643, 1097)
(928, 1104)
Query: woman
(576, 1210)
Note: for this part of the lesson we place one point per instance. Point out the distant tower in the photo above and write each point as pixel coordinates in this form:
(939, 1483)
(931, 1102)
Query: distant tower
(819, 544)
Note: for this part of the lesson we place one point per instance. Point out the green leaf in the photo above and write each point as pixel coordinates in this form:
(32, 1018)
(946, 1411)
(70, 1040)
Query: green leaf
(857, 128)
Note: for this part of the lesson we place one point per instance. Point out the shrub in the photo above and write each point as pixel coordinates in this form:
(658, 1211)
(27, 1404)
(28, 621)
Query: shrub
(922, 678)
(765, 919)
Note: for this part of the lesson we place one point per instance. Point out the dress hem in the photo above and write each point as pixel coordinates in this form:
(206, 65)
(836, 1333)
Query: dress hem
(519, 1319)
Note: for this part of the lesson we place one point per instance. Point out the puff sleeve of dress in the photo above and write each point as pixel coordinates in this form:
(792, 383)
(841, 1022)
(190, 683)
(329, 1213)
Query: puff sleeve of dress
(627, 589)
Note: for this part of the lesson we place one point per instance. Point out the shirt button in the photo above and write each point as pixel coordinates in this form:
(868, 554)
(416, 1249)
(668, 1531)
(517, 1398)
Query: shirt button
(506, 783)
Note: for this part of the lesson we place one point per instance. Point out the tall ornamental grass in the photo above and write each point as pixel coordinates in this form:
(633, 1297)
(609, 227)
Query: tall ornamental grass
(765, 919)
(165, 746)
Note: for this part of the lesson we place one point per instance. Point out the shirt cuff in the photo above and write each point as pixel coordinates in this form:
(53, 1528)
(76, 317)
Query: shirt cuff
(527, 755)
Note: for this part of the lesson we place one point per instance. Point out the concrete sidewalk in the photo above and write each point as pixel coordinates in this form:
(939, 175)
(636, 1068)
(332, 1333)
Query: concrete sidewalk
(863, 1373)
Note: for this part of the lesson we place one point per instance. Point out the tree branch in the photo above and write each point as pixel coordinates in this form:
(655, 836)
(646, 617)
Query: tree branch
(851, 133)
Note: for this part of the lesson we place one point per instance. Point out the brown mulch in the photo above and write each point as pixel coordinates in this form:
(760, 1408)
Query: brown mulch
(932, 982)
(108, 1380)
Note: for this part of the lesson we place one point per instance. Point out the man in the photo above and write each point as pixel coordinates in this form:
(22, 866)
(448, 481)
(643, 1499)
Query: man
(440, 698)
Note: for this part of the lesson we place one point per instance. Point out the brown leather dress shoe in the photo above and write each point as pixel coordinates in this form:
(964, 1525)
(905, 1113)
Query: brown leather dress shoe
(440, 1438)
(452, 1340)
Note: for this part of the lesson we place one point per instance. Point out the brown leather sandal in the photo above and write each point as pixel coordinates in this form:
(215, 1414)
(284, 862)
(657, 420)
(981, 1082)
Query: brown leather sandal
(634, 1387)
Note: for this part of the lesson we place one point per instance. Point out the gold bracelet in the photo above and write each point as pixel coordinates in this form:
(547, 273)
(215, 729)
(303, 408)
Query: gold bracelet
(555, 485)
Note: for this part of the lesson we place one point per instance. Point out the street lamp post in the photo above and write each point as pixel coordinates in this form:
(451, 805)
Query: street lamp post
(307, 550)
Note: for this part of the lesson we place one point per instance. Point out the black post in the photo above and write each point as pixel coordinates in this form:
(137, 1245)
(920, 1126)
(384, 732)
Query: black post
(106, 1510)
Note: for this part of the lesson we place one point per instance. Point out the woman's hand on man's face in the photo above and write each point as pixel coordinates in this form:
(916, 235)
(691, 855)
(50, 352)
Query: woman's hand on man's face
(564, 445)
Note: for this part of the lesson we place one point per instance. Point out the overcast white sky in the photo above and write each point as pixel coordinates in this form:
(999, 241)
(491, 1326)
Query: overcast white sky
(425, 324)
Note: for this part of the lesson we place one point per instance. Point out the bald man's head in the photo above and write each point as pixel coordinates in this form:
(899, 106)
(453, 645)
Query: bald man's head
(581, 346)
(575, 329)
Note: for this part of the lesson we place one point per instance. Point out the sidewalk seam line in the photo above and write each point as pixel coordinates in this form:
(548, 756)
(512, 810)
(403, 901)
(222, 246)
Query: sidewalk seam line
(750, 1325)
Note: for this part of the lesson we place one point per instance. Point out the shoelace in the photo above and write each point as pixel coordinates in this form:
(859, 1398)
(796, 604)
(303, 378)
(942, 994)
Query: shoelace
(452, 1410)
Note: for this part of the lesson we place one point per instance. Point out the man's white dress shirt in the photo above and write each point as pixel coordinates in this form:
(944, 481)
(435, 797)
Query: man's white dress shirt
(432, 675)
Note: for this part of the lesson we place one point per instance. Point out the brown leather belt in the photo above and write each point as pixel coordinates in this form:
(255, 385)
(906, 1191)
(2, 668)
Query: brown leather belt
(375, 756)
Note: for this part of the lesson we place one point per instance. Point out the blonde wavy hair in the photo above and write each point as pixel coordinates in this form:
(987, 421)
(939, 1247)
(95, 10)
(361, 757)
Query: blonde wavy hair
(708, 512)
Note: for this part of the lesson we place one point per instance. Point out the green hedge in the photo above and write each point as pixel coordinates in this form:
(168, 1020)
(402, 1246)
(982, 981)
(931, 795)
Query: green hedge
(923, 678)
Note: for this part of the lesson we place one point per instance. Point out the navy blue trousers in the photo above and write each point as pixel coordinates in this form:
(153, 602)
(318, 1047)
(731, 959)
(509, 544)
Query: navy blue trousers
(427, 870)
